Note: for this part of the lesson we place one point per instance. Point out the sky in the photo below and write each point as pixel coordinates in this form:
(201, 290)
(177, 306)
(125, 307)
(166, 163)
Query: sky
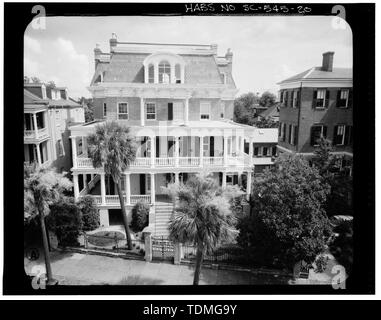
(265, 50)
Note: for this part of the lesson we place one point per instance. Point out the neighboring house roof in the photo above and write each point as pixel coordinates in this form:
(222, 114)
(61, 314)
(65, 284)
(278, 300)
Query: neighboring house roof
(64, 103)
(316, 73)
(272, 111)
(33, 102)
(128, 67)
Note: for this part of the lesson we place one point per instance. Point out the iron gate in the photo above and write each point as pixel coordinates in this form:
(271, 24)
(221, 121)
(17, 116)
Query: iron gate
(162, 249)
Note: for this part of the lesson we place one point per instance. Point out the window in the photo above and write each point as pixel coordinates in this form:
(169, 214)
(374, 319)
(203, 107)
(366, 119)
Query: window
(317, 132)
(274, 151)
(321, 98)
(164, 72)
(256, 151)
(178, 73)
(205, 111)
(222, 114)
(285, 99)
(338, 135)
(342, 98)
(295, 98)
(151, 74)
(205, 142)
(264, 151)
(104, 109)
(281, 96)
(123, 111)
(148, 183)
(151, 111)
(282, 133)
(60, 149)
(293, 134)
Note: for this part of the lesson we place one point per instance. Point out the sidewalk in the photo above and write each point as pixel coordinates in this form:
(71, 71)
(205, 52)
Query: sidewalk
(83, 269)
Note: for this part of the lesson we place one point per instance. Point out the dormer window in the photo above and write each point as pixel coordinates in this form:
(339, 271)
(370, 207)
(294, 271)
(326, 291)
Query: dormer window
(164, 72)
(151, 74)
(164, 67)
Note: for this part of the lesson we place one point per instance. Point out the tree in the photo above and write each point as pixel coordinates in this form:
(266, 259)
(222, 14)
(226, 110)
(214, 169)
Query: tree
(266, 123)
(65, 220)
(267, 99)
(42, 187)
(244, 108)
(202, 216)
(341, 185)
(50, 84)
(112, 147)
(288, 223)
(26, 79)
(90, 213)
(35, 80)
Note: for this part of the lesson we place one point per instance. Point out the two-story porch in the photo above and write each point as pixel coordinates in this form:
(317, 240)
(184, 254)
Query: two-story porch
(36, 135)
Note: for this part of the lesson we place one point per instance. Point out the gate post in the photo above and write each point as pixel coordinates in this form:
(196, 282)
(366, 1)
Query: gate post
(178, 253)
(147, 244)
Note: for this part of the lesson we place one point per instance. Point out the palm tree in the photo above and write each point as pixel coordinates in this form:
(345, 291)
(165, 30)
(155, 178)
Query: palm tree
(202, 216)
(112, 147)
(42, 187)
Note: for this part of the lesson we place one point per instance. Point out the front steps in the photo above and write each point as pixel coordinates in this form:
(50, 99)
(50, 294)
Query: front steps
(163, 212)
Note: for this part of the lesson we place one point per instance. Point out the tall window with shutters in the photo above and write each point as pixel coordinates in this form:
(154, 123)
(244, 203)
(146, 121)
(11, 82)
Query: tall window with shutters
(295, 98)
(321, 99)
(344, 98)
(318, 132)
(123, 111)
(342, 135)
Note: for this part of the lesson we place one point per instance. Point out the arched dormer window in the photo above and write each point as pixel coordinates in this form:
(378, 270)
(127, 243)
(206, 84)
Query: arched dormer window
(167, 68)
(151, 74)
(164, 72)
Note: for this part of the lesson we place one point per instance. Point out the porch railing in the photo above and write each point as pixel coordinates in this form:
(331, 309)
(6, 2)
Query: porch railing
(41, 133)
(141, 162)
(213, 161)
(113, 200)
(189, 161)
(165, 162)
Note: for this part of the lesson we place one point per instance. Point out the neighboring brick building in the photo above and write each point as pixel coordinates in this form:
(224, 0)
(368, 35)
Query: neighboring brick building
(177, 100)
(48, 112)
(317, 103)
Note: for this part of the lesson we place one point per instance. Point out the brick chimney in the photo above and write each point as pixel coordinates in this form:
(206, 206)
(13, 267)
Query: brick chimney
(113, 42)
(97, 53)
(327, 64)
(229, 58)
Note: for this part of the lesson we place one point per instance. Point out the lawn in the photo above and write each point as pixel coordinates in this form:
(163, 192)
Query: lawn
(105, 238)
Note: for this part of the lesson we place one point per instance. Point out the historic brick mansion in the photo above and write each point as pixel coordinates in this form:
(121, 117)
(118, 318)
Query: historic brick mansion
(178, 101)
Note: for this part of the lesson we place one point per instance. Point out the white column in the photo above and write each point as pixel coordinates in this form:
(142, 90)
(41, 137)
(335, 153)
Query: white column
(152, 188)
(176, 178)
(153, 150)
(223, 179)
(251, 151)
(38, 154)
(35, 125)
(225, 150)
(173, 78)
(84, 180)
(201, 151)
(84, 146)
(182, 74)
(146, 74)
(103, 188)
(127, 188)
(142, 120)
(248, 185)
(156, 73)
(186, 111)
(74, 151)
(76, 186)
(176, 151)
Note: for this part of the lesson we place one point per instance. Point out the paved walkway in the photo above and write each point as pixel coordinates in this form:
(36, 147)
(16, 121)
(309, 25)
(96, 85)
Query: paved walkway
(82, 269)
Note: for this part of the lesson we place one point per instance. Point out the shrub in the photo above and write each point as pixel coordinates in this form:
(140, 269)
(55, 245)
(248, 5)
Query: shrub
(90, 213)
(65, 221)
(140, 214)
(321, 264)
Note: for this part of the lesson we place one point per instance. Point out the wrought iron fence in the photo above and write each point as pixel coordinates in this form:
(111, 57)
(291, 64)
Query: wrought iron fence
(232, 254)
(162, 248)
(112, 241)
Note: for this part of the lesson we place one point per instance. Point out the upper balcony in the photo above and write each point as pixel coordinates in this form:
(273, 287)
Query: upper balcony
(35, 129)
